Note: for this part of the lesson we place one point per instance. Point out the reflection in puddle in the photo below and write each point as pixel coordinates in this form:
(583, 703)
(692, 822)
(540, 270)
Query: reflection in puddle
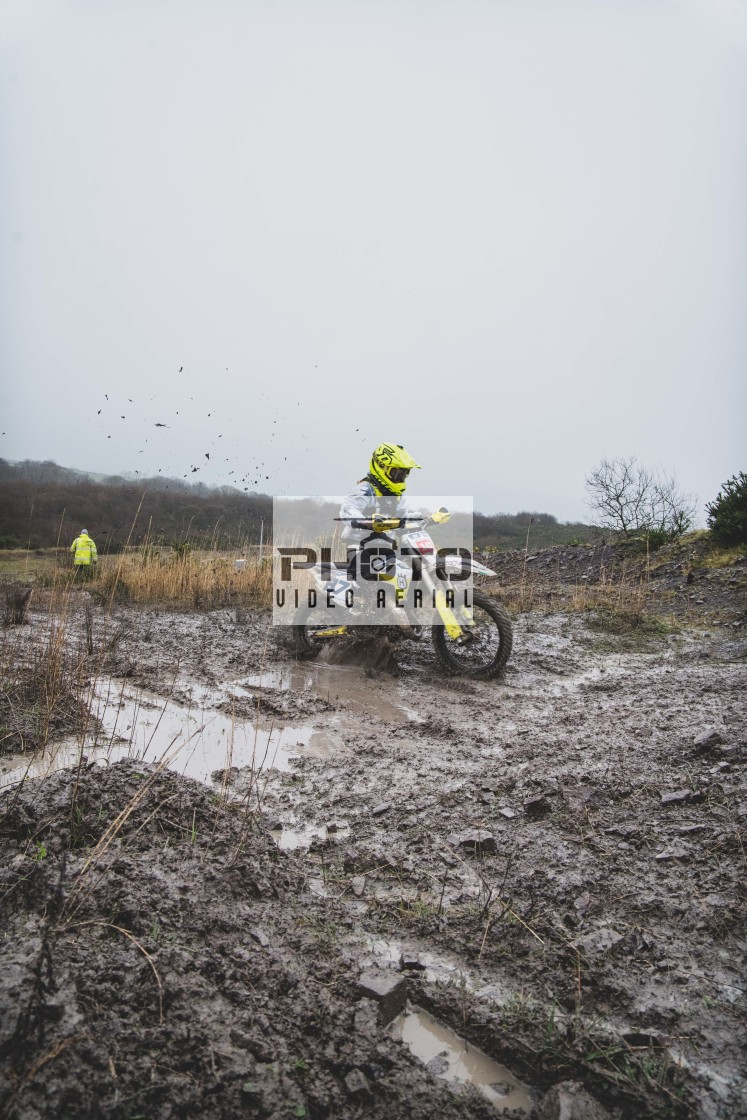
(337, 683)
(301, 836)
(451, 1057)
(193, 739)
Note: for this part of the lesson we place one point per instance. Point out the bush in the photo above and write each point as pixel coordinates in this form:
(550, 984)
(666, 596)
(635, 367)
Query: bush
(727, 515)
(657, 538)
(646, 542)
(8, 541)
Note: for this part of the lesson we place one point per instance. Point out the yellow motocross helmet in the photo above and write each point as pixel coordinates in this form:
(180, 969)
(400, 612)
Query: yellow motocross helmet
(390, 466)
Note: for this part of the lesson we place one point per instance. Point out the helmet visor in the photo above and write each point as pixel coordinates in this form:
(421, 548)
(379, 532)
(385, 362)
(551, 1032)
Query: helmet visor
(398, 474)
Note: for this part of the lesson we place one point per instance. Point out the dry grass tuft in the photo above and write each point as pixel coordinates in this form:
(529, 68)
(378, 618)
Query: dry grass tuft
(41, 685)
(192, 580)
(619, 601)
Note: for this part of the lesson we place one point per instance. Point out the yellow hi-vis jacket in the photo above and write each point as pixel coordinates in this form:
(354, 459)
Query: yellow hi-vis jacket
(84, 549)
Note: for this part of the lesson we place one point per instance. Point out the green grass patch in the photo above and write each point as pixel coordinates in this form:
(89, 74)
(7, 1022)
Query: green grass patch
(623, 620)
(30, 565)
(723, 557)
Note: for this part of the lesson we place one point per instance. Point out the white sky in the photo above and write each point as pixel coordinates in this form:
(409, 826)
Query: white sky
(509, 234)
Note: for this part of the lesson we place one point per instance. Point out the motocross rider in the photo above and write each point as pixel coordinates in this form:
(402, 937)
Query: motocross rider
(379, 494)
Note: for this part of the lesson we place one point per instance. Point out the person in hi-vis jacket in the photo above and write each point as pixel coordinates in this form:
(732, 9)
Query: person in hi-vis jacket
(86, 555)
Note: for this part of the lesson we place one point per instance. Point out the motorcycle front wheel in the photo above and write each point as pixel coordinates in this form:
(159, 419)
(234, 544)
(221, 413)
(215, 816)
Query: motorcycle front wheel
(305, 646)
(485, 654)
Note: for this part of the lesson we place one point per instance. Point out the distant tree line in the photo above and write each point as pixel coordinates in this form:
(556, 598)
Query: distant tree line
(527, 529)
(43, 504)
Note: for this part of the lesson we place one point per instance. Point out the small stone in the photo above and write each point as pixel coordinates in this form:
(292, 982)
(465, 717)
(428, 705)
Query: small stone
(356, 1084)
(675, 851)
(411, 961)
(599, 940)
(358, 883)
(388, 989)
(568, 1100)
(507, 812)
(582, 903)
(584, 797)
(439, 1064)
(707, 739)
(383, 807)
(260, 936)
(537, 806)
(478, 841)
(677, 797)
(350, 858)
(624, 830)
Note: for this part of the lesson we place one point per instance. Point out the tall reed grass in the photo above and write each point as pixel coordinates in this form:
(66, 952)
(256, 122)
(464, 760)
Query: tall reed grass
(42, 678)
(192, 579)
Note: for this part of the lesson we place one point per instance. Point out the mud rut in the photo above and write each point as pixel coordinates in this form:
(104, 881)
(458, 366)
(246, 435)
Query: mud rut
(552, 866)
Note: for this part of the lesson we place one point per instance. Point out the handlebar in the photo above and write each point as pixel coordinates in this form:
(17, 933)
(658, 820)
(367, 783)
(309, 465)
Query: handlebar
(387, 524)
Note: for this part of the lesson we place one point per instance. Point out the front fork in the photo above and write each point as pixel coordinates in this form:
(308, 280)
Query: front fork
(454, 629)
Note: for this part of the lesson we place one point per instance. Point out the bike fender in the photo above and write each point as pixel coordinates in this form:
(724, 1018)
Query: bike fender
(480, 569)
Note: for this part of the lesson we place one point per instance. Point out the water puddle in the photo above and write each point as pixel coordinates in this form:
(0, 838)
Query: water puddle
(337, 684)
(194, 739)
(445, 1054)
(290, 837)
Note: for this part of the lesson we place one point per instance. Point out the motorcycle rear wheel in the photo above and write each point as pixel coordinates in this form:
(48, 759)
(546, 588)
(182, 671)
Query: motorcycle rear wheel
(485, 657)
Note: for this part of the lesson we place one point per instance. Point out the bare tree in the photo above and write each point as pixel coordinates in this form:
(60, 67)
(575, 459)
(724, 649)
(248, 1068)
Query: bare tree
(628, 498)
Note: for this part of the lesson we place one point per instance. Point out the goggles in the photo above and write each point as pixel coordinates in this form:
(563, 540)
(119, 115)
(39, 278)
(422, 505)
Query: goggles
(398, 474)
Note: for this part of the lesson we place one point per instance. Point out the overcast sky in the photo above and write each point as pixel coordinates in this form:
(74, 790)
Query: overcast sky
(509, 234)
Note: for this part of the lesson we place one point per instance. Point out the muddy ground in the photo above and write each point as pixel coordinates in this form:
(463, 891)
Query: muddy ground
(552, 865)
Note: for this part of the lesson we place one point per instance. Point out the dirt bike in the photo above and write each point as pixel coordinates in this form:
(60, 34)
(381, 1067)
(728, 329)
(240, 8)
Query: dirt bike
(471, 633)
